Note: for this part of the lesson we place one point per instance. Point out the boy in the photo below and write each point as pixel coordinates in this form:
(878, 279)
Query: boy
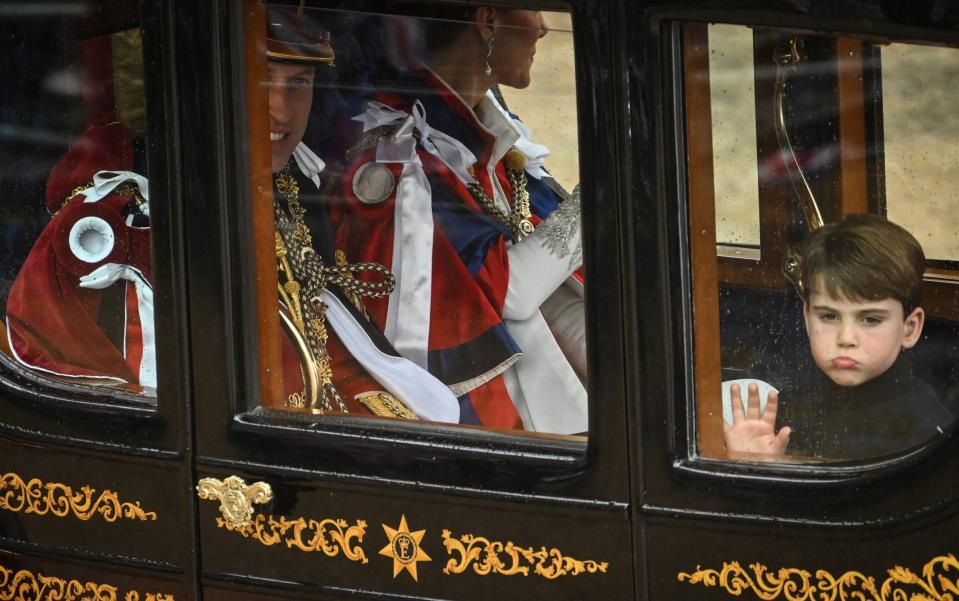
(861, 282)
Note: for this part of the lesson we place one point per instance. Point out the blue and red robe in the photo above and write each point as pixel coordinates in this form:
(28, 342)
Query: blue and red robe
(469, 344)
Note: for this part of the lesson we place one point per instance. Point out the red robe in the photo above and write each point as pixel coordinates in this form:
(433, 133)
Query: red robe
(469, 346)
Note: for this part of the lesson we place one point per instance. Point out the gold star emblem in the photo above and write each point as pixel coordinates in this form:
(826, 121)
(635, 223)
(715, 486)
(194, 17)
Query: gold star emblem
(404, 548)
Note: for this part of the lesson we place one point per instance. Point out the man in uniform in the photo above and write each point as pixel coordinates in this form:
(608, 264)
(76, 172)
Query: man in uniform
(346, 363)
(334, 360)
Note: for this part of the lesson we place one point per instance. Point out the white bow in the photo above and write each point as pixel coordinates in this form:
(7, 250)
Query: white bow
(399, 147)
(104, 183)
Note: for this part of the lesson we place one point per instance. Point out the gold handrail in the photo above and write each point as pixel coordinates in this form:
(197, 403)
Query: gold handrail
(788, 57)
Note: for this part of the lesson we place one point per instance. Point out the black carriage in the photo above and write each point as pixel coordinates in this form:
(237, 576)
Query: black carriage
(707, 139)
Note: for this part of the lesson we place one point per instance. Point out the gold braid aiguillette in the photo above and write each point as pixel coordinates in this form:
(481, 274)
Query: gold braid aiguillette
(518, 218)
(302, 277)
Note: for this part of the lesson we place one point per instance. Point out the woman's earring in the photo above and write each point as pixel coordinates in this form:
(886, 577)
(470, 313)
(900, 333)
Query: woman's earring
(489, 52)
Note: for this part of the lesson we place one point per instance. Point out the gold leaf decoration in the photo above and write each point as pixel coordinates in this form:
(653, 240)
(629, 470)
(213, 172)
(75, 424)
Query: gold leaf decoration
(939, 582)
(38, 497)
(405, 548)
(328, 536)
(236, 498)
(494, 557)
(24, 585)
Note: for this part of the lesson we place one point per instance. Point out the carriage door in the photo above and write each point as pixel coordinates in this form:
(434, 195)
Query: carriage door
(410, 487)
(93, 442)
(779, 127)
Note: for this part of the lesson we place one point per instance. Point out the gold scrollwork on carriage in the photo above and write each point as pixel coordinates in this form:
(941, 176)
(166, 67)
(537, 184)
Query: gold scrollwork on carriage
(42, 498)
(328, 536)
(795, 584)
(24, 585)
(494, 557)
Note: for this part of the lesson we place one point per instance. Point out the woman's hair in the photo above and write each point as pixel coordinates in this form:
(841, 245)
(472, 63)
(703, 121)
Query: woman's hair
(442, 24)
(864, 258)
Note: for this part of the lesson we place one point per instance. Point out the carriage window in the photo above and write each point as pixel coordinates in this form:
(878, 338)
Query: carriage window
(732, 110)
(424, 223)
(75, 277)
(919, 88)
(838, 341)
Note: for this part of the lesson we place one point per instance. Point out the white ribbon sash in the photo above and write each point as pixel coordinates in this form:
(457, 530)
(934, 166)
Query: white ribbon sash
(108, 274)
(408, 312)
(104, 182)
(426, 396)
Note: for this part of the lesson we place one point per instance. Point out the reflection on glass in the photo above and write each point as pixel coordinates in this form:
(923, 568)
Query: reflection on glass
(548, 105)
(921, 125)
(845, 359)
(444, 282)
(732, 98)
(75, 280)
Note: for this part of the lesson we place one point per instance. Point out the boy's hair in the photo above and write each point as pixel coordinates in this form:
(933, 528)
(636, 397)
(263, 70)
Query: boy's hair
(864, 258)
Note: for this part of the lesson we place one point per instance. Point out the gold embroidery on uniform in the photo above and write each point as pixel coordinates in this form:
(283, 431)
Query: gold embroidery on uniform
(289, 289)
(384, 404)
(24, 585)
(494, 557)
(296, 400)
(302, 277)
(794, 584)
(309, 317)
(289, 292)
(38, 497)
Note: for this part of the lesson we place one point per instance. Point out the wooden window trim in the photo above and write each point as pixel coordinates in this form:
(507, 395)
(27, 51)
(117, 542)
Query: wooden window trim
(261, 190)
(702, 236)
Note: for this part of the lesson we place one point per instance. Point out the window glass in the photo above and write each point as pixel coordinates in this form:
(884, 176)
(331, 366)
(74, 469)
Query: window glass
(75, 276)
(554, 121)
(428, 262)
(921, 127)
(733, 111)
(845, 350)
